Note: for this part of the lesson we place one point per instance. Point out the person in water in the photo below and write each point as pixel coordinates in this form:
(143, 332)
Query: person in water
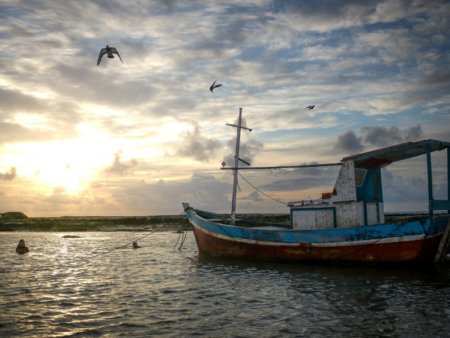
(136, 246)
(21, 248)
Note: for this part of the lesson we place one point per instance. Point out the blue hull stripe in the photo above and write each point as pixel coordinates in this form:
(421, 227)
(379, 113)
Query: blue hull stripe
(427, 227)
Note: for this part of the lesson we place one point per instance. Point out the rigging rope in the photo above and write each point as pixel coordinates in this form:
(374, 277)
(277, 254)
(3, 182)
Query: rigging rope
(261, 191)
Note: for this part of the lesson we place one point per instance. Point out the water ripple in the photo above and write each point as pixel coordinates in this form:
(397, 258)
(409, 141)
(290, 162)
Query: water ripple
(157, 291)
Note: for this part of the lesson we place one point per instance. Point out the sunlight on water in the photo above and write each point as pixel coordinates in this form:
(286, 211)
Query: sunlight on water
(56, 291)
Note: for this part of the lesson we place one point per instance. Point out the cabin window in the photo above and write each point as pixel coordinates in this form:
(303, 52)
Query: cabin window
(360, 174)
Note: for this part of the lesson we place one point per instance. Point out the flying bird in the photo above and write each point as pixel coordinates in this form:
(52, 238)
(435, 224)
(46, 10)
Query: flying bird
(214, 86)
(108, 50)
(310, 107)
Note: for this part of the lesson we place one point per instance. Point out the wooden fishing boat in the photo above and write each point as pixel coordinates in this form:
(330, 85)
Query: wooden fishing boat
(347, 225)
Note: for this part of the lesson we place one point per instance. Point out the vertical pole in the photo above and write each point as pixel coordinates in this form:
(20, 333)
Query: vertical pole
(430, 182)
(448, 176)
(236, 164)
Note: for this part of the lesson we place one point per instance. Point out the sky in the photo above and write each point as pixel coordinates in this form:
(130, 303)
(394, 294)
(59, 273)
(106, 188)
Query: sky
(138, 138)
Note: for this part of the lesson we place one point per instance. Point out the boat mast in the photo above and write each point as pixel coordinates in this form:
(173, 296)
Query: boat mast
(236, 164)
(235, 171)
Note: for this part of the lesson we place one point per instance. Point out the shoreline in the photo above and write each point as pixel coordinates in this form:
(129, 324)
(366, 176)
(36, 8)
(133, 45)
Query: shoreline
(148, 223)
(108, 224)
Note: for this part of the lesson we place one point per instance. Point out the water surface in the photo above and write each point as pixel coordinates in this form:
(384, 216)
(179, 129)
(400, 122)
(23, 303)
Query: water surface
(56, 291)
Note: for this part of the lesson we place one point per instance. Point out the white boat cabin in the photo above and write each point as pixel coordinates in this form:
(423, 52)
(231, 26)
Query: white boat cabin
(357, 197)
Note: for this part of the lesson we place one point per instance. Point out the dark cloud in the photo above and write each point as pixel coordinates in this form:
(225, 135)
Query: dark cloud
(119, 168)
(9, 175)
(349, 142)
(381, 136)
(328, 9)
(378, 136)
(194, 145)
(413, 133)
(437, 77)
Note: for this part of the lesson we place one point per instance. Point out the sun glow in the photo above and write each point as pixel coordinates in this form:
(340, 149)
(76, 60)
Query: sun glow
(68, 163)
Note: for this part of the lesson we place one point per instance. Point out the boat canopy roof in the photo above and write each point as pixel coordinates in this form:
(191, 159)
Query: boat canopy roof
(382, 157)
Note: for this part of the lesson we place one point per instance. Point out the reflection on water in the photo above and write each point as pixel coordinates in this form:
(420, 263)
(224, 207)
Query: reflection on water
(158, 291)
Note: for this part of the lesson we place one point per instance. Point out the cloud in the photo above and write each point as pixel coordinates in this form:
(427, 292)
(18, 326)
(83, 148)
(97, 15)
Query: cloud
(349, 142)
(16, 101)
(381, 136)
(439, 76)
(95, 184)
(378, 136)
(350, 58)
(254, 196)
(118, 168)
(62, 198)
(247, 151)
(58, 189)
(302, 183)
(412, 133)
(9, 175)
(194, 145)
(201, 191)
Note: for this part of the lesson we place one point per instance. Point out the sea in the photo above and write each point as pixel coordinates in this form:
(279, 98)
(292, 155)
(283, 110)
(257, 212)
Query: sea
(99, 286)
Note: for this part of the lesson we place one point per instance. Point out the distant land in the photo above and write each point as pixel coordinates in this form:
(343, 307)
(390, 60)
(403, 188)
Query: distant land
(8, 222)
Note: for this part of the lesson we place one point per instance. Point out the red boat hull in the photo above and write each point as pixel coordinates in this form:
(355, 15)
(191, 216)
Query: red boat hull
(420, 250)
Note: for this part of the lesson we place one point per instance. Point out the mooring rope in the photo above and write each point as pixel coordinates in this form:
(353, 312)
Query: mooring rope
(123, 246)
(183, 239)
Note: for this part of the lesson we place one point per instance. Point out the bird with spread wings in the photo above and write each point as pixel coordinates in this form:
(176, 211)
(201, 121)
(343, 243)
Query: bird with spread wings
(214, 86)
(110, 51)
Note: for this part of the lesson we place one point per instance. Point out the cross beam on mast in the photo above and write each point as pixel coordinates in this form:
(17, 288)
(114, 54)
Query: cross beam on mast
(285, 167)
(233, 125)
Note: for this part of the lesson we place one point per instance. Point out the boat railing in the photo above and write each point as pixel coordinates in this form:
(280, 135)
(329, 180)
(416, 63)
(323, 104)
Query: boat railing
(307, 202)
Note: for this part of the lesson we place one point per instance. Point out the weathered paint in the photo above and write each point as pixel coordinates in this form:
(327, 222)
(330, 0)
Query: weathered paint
(345, 189)
(392, 249)
(429, 227)
(314, 218)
